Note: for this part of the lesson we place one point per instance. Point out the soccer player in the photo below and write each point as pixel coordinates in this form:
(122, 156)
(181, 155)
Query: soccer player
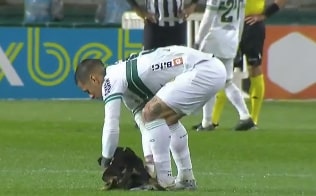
(219, 34)
(251, 45)
(176, 80)
(165, 21)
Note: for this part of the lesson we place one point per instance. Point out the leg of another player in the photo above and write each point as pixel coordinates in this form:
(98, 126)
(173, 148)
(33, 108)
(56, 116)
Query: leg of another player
(207, 112)
(206, 124)
(256, 91)
(234, 95)
(219, 104)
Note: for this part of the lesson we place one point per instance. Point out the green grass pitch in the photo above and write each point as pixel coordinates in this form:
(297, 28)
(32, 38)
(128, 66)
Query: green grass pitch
(51, 148)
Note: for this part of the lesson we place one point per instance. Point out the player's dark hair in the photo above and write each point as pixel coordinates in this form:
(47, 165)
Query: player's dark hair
(86, 67)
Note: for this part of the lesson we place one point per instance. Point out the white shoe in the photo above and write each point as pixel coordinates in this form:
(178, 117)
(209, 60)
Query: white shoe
(168, 185)
(185, 185)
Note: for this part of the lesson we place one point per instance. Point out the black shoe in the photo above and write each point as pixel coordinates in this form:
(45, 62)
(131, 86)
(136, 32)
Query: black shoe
(199, 127)
(245, 125)
(194, 127)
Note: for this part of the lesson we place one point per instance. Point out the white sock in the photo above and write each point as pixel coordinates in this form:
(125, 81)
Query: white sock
(180, 151)
(148, 155)
(145, 138)
(234, 95)
(207, 112)
(159, 137)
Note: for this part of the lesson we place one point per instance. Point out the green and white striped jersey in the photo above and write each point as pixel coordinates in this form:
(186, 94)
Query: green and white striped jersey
(138, 78)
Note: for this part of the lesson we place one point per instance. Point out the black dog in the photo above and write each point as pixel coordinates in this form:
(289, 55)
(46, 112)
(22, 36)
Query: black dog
(127, 171)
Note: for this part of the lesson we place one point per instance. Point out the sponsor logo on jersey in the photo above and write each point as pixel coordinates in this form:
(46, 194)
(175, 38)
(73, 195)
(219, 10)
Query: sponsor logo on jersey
(167, 64)
(177, 61)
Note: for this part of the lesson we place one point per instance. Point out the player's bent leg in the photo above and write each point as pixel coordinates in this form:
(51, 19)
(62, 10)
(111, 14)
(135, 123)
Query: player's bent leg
(159, 136)
(179, 142)
(206, 124)
(145, 140)
(181, 155)
(235, 96)
(148, 155)
(156, 109)
(179, 149)
(207, 112)
(194, 89)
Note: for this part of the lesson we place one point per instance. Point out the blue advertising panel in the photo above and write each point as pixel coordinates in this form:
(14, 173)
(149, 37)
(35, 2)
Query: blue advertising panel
(39, 63)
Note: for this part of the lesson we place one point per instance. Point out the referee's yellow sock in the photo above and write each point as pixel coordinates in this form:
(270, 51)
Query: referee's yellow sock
(256, 92)
(218, 106)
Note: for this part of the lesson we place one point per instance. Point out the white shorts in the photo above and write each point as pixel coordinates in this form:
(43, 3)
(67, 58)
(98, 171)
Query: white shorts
(189, 91)
(221, 43)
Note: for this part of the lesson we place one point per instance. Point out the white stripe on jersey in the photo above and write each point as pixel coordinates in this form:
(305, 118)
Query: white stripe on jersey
(171, 14)
(161, 20)
(158, 8)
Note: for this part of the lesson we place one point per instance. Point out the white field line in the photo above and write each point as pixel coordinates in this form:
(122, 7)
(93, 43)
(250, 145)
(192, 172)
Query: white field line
(74, 171)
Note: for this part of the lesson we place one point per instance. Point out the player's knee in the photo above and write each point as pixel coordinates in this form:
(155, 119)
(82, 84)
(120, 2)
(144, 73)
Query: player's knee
(255, 71)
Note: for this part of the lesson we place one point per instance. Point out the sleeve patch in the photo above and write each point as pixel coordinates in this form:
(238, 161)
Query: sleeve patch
(107, 86)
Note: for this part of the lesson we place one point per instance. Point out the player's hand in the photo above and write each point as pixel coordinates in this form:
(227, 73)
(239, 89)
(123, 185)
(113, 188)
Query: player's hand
(252, 19)
(147, 16)
(186, 12)
(150, 17)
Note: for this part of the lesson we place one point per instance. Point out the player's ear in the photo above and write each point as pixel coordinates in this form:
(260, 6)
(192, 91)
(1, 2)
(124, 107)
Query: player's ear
(93, 78)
